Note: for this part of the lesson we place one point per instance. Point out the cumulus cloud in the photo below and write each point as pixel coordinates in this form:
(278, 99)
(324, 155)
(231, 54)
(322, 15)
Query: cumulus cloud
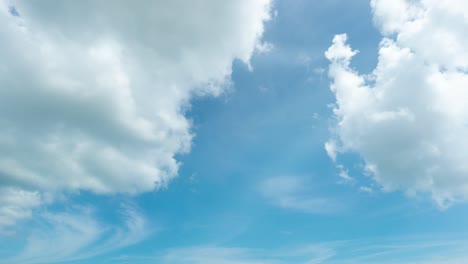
(93, 93)
(408, 118)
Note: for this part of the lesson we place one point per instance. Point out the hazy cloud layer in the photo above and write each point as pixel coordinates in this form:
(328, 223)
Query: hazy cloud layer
(297, 194)
(403, 250)
(408, 119)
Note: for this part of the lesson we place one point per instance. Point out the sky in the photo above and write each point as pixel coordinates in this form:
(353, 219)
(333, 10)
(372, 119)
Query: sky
(234, 132)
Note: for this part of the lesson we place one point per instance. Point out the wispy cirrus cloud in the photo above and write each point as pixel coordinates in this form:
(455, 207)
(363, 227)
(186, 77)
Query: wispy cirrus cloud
(297, 194)
(77, 234)
(18, 204)
(212, 254)
(405, 250)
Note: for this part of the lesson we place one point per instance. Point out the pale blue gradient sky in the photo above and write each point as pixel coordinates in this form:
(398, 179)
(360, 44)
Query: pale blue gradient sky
(258, 185)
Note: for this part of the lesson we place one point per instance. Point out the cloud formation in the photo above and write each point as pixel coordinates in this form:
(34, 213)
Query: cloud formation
(406, 250)
(78, 234)
(295, 193)
(408, 119)
(93, 93)
(17, 204)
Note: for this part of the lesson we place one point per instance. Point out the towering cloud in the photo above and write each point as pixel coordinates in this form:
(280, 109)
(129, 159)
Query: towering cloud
(93, 93)
(408, 119)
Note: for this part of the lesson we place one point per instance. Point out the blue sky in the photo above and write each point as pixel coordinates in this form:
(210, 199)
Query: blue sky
(233, 166)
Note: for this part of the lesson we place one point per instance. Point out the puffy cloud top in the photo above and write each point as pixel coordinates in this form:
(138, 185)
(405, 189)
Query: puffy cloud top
(93, 93)
(409, 118)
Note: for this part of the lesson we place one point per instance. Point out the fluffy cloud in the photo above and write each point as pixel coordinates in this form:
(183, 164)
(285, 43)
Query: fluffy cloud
(93, 93)
(408, 119)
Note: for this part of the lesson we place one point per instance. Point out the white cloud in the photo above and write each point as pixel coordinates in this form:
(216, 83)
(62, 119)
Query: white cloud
(408, 119)
(211, 255)
(17, 204)
(366, 189)
(330, 148)
(295, 193)
(309, 254)
(78, 235)
(93, 93)
(405, 250)
(343, 173)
